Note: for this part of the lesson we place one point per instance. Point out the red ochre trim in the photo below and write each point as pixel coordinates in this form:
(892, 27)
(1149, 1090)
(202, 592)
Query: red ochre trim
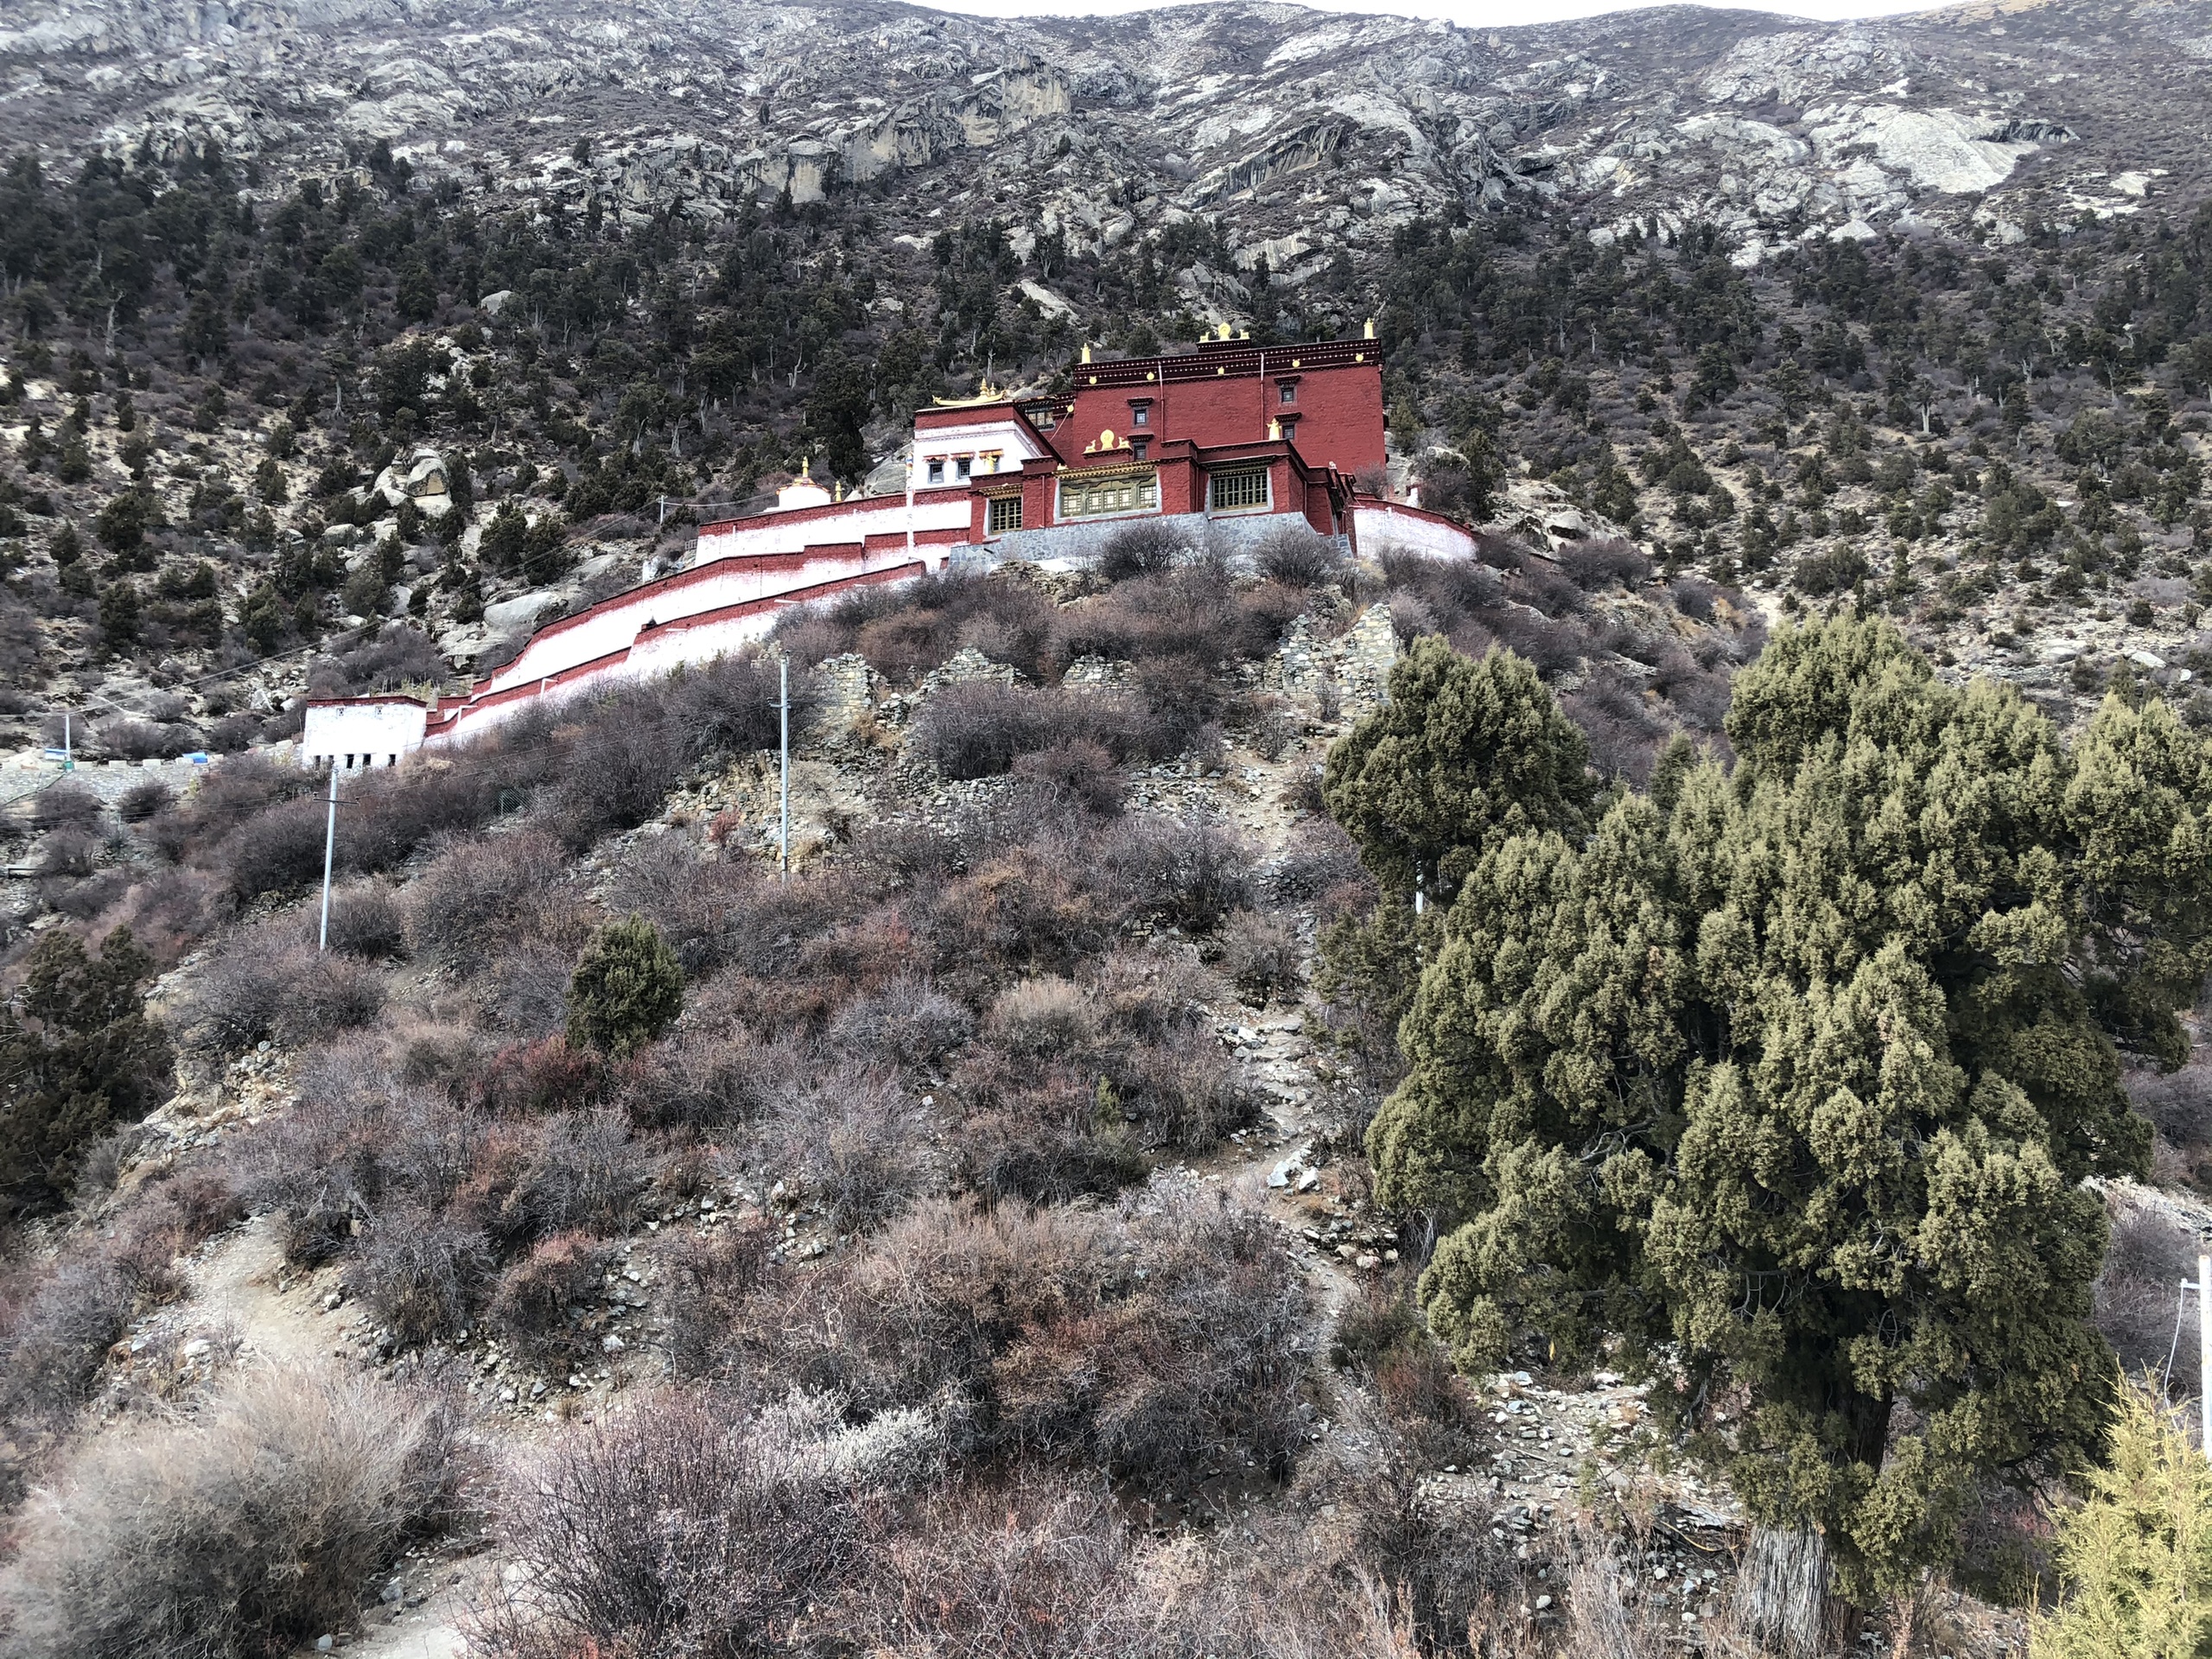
(931, 495)
(445, 720)
(1370, 504)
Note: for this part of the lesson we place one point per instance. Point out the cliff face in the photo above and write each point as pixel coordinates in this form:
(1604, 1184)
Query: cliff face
(1305, 131)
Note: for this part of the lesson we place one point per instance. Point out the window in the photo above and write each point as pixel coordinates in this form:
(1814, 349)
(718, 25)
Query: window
(1140, 447)
(1004, 514)
(1236, 492)
(1094, 498)
(937, 471)
(1140, 414)
(962, 466)
(1288, 391)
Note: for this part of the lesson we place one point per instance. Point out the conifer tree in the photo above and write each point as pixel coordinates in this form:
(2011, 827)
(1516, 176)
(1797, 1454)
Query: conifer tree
(2137, 1557)
(1794, 1074)
(627, 990)
(1463, 755)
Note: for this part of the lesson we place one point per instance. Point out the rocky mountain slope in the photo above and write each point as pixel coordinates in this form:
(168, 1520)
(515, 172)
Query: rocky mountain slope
(1306, 133)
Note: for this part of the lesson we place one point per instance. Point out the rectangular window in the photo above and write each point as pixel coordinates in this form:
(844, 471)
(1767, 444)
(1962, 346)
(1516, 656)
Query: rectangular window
(1140, 414)
(1005, 514)
(937, 471)
(1093, 498)
(1289, 390)
(1236, 492)
(1140, 447)
(962, 467)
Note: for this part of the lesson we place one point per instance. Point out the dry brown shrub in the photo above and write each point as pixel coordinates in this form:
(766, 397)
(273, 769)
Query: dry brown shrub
(538, 1304)
(679, 1528)
(244, 1529)
(1167, 1335)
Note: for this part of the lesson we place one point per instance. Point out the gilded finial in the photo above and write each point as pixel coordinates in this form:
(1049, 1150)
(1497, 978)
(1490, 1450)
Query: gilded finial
(1369, 333)
(1086, 351)
(805, 466)
(1225, 332)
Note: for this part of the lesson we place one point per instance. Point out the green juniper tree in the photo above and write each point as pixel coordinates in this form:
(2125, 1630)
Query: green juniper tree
(1793, 1073)
(627, 990)
(1464, 755)
(78, 1056)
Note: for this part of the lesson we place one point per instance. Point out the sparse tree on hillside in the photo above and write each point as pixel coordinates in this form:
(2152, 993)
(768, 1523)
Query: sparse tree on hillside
(627, 989)
(1800, 1074)
(78, 1056)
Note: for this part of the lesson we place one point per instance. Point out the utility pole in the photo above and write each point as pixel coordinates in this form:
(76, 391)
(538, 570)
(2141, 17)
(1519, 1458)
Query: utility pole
(784, 724)
(2204, 1347)
(68, 760)
(329, 846)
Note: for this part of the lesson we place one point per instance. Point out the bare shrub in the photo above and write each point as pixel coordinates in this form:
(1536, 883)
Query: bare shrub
(68, 852)
(975, 729)
(1077, 769)
(1299, 557)
(56, 1324)
(1044, 1016)
(142, 800)
(570, 1172)
(276, 850)
(1603, 561)
(855, 1141)
(368, 921)
(1165, 1337)
(672, 1530)
(2137, 1293)
(266, 981)
(65, 805)
(707, 1279)
(422, 1272)
(907, 1025)
(729, 705)
(718, 913)
(1259, 954)
(616, 773)
(243, 1530)
(463, 901)
(1146, 547)
(1184, 1090)
(538, 1304)
(1318, 858)
(144, 739)
(1191, 871)
(395, 658)
(1038, 1136)
(2178, 1104)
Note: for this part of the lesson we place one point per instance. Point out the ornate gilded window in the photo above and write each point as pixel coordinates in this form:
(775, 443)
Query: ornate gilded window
(1081, 497)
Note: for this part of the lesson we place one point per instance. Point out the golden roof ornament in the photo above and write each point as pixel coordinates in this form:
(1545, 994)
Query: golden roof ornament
(1369, 333)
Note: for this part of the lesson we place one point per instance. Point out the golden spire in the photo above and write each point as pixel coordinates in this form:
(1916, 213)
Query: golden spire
(1370, 334)
(805, 466)
(1086, 351)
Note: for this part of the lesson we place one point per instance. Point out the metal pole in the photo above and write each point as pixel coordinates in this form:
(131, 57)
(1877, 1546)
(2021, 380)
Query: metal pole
(784, 722)
(68, 760)
(2204, 1345)
(329, 844)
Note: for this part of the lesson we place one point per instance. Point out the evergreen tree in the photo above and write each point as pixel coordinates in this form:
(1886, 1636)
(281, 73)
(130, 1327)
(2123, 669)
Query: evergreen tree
(78, 1056)
(627, 990)
(1462, 755)
(2137, 1555)
(1796, 1072)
